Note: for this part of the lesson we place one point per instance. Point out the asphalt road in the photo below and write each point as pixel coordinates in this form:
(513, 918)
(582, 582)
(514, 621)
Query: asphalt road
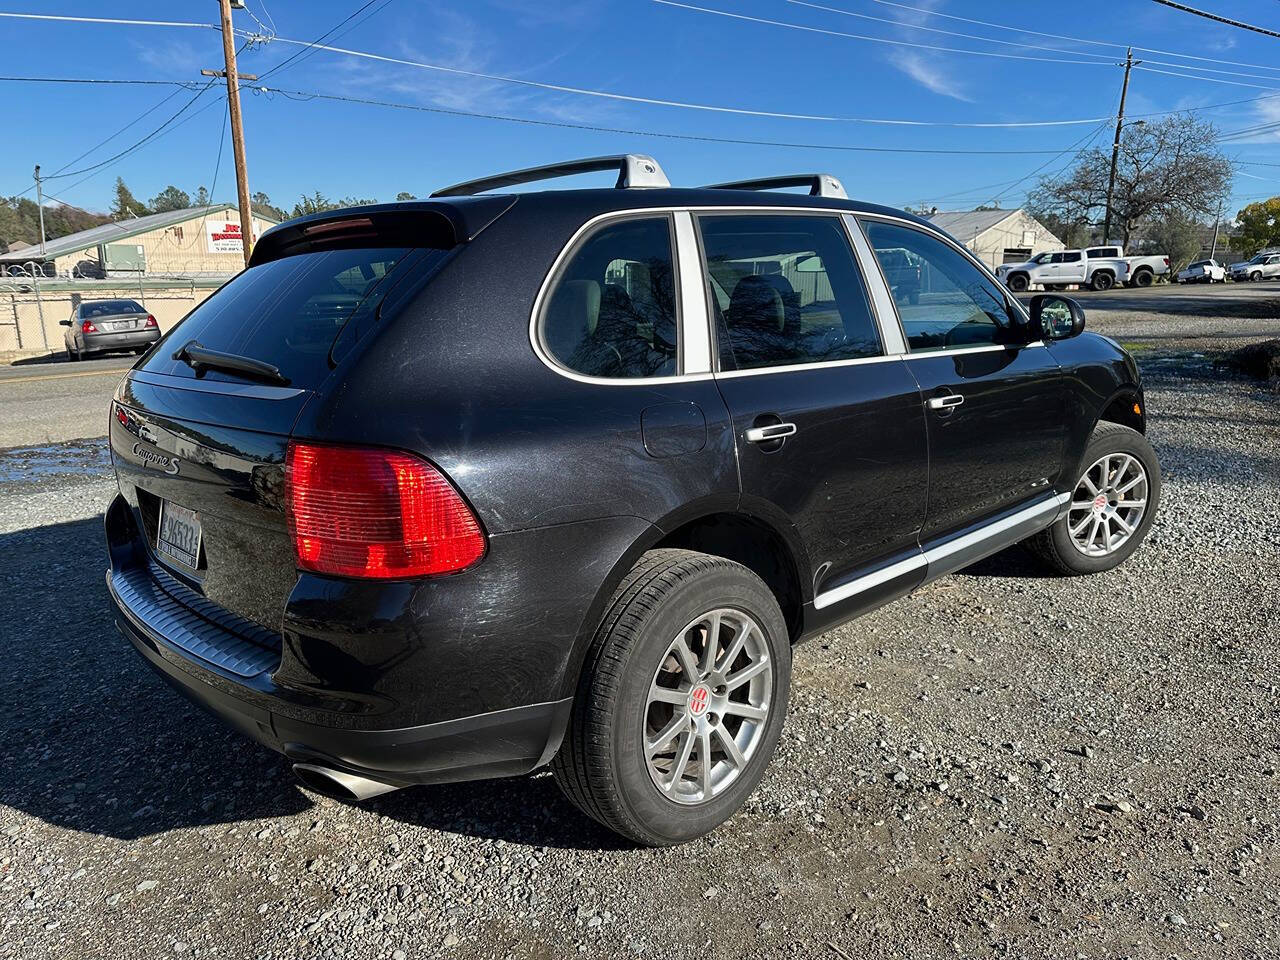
(58, 401)
(1004, 765)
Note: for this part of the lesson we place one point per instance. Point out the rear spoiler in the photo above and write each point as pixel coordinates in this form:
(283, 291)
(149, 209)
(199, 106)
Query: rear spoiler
(439, 225)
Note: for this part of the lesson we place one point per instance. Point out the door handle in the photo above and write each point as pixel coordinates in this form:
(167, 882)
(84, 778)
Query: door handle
(945, 403)
(775, 431)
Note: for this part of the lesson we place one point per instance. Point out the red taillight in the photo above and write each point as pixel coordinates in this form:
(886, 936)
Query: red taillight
(151, 321)
(88, 327)
(357, 512)
(1166, 261)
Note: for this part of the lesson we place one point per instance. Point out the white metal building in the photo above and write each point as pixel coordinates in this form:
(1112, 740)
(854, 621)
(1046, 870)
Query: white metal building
(998, 236)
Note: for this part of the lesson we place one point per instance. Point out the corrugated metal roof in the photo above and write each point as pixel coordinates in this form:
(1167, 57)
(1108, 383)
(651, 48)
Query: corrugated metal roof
(115, 232)
(967, 224)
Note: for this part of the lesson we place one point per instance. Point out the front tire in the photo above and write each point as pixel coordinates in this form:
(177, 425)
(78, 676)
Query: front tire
(1018, 283)
(681, 701)
(1255, 277)
(1113, 504)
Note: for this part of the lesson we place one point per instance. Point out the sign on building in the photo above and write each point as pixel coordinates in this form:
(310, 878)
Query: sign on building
(222, 236)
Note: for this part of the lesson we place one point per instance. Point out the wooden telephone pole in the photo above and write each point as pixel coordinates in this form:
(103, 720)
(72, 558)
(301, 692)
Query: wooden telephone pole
(237, 125)
(1115, 145)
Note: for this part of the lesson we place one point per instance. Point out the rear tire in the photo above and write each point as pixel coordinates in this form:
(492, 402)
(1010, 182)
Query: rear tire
(1102, 281)
(647, 678)
(1093, 537)
(1143, 278)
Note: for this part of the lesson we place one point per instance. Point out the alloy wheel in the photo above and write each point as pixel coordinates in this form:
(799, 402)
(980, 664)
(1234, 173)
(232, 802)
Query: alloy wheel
(1108, 505)
(707, 706)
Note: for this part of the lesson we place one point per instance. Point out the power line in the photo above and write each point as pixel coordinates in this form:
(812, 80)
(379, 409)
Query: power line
(1213, 16)
(891, 42)
(129, 149)
(949, 33)
(312, 45)
(342, 33)
(595, 128)
(110, 20)
(1056, 36)
(655, 101)
(927, 46)
(1204, 79)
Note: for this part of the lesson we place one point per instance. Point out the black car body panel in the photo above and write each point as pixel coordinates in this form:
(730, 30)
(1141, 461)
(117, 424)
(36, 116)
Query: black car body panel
(571, 479)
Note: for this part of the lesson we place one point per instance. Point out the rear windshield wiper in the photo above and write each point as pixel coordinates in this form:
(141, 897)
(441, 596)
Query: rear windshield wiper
(198, 357)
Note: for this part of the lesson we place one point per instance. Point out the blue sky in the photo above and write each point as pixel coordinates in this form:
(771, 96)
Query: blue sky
(636, 48)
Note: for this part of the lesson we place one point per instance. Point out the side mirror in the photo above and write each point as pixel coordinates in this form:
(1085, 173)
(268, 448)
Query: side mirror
(1060, 318)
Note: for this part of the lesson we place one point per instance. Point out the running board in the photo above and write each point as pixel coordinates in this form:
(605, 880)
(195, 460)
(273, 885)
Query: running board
(956, 553)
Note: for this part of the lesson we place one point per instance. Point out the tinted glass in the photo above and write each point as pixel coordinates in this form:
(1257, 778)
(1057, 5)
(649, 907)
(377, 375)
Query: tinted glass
(953, 305)
(287, 312)
(785, 290)
(1072, 257)
(109, 308)
(613, 312)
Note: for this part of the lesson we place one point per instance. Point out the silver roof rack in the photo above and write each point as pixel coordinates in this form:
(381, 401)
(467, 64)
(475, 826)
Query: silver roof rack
(819, 184)
(634, 170)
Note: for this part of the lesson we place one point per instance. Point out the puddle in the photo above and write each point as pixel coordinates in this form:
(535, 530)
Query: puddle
(80, 458)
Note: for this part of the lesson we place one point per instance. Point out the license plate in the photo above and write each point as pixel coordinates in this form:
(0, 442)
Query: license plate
(179, 535)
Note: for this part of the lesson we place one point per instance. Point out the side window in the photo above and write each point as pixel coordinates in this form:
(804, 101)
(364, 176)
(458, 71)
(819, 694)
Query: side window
(785, 289)
(612, 312)
(1055, 258)
(951, 303)
(1072, 257)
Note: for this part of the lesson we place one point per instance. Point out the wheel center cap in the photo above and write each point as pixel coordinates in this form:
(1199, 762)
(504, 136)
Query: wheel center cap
(1099, 503)
(699, 698)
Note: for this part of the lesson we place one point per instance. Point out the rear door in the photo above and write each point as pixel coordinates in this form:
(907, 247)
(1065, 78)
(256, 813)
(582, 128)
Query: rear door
(830, 429)
(996, 404)
(1073, 267)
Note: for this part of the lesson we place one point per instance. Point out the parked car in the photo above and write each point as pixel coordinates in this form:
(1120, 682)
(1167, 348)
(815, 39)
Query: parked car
(1142, 272)
(1263, 266)
(457, 488)
(1203, 271)
(1057, 270)
(104, 326)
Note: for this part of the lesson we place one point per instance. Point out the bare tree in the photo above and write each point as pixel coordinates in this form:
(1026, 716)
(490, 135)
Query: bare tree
(1167, 167)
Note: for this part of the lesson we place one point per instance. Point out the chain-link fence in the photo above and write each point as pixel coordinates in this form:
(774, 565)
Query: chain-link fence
(34, 299)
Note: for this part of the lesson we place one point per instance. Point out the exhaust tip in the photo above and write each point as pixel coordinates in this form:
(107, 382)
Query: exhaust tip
(339, 784)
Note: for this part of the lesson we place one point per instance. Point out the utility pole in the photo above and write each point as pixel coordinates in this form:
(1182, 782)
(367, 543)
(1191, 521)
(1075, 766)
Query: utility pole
(1217, 220)
(237, 126)
(40, 204)
(1115, 145)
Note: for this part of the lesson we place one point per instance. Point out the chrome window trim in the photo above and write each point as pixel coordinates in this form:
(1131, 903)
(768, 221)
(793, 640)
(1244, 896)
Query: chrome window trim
(679, 255)
(1047, 510)
(548, 282)
(884, 309)
(695, 318)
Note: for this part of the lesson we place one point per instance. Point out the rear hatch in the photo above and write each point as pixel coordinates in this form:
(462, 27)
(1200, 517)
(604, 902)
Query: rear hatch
(199, 447)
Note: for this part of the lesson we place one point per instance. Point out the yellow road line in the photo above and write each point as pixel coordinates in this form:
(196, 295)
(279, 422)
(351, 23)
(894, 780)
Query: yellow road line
(67, 376)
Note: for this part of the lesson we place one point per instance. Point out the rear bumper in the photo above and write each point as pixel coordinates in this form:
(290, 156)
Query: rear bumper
(495, 744)
(127, 340)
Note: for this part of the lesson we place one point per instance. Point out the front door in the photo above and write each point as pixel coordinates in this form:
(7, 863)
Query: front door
(995, 404)
(830, 429)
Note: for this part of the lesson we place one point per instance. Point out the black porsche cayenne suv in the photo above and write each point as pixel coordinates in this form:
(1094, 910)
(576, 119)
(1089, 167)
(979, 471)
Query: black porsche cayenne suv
(457, 488)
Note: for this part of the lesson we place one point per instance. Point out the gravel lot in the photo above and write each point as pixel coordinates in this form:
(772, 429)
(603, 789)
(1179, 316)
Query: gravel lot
(1001, 765)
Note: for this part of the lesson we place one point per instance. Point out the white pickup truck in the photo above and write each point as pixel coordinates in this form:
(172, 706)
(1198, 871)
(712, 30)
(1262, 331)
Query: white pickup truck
(1100, 268)
(1143, 271)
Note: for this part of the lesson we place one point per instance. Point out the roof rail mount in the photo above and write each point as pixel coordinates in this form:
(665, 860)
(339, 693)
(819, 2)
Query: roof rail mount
(819, 184)
(634, 170)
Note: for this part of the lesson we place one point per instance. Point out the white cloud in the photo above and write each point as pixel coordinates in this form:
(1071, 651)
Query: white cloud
(929, 75)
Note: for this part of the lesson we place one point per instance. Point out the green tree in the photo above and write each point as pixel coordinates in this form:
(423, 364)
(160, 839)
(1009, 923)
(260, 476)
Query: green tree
(262, 204)
(404, 195)
(319, 203)
(170, 198)
(1177, 235)
(202, 196)
(126, 205)
(20, 221)
(1259, 226)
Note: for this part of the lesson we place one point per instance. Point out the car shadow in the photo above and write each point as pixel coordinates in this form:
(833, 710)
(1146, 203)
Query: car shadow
(1013, 562)
(92, 740)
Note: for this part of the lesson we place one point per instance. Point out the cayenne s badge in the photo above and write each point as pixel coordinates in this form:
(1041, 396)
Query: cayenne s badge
(151, 458)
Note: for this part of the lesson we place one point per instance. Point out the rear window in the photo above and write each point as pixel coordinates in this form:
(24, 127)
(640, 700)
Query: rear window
(287, 312)
(109, 308)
